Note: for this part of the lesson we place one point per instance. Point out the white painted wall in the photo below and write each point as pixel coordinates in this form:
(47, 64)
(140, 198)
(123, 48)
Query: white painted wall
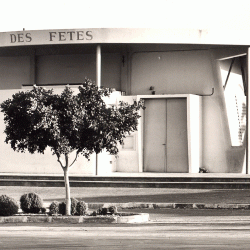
(128, 156)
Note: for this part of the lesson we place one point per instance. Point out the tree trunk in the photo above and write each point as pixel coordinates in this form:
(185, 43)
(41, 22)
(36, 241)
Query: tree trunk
(67, 187)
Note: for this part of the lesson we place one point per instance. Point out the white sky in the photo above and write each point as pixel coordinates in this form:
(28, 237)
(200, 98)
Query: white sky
(66, 14)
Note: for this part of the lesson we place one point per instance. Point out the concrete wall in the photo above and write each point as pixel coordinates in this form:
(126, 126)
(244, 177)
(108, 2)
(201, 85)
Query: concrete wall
(128, 156)
(193, 72)
(174, 72)
(218, 153)
(14, 71)
(65, 69)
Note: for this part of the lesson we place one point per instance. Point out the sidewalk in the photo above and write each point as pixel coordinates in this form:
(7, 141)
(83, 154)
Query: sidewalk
(141, 197)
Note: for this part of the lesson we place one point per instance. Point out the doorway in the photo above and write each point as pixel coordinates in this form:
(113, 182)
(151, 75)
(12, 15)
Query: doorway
(165, 141)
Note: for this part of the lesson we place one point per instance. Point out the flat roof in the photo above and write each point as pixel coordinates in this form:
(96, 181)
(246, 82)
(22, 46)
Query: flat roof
(124, 36)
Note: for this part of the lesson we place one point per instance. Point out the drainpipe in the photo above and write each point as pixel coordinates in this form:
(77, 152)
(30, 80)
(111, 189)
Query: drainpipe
(248, 113)
(98, 83)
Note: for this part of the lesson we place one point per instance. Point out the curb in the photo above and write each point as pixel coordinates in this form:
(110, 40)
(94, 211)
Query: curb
(141, 205)
(127, 218)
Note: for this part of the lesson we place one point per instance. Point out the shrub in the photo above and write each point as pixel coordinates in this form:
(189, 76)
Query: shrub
(62, 207)
(43, 210)
(103, 211)
(81, 208)
(31, 203)
(94, 213)
(8, 206)
(73, 206)
(113, 209)
(54, 207)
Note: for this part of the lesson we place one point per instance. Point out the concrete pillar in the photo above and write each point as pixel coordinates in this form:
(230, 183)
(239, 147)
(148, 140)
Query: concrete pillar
(33, 67)
(98, 83)
(98, 65)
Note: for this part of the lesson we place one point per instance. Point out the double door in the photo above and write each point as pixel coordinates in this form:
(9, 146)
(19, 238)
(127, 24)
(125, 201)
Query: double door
(165, 143)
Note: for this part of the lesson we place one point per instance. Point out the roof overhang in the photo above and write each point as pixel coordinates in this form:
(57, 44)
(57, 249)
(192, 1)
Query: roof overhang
(124, 36)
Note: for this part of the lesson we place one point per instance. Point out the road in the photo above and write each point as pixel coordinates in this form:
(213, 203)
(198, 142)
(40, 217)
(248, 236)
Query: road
(204, 235)
(168, 229)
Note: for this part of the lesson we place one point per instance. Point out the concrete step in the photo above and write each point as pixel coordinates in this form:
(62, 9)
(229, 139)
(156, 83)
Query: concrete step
(175, 179)
(132, 182)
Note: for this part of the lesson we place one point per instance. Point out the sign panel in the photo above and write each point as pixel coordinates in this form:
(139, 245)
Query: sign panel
(123, 35)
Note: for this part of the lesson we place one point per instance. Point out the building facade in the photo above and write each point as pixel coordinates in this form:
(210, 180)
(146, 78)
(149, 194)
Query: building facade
(193, 83)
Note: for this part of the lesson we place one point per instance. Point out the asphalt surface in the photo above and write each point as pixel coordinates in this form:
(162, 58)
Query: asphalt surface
(167, 229)
(165, 236)
(194, 215)
(124, 195)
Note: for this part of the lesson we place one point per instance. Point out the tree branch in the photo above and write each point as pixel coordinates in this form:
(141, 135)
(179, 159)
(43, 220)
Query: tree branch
(58, 159)
(74, 159)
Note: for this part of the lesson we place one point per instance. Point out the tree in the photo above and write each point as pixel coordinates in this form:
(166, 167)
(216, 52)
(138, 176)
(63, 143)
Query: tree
(67, 123)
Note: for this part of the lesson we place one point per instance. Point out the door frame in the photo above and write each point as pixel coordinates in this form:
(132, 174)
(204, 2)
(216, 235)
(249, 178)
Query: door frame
(194, 129)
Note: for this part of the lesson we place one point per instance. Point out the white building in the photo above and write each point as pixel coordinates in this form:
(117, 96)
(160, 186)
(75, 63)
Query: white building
(193, 82)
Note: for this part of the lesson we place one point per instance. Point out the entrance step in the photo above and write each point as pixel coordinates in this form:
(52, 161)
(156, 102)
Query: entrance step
(132, 182)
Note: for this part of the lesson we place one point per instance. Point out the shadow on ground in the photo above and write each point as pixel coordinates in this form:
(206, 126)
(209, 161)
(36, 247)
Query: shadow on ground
(124, 195)
(213, 197)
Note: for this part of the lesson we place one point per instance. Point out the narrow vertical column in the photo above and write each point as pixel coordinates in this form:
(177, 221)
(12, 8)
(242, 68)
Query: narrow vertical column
(98, 83)
(248, 113)
(98, 66)
(33, 68)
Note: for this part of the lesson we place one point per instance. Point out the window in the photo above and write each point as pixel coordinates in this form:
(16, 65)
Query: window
(233, 84)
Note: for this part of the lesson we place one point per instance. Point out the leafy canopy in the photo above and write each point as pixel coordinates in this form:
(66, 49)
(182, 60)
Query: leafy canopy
(68, 122)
